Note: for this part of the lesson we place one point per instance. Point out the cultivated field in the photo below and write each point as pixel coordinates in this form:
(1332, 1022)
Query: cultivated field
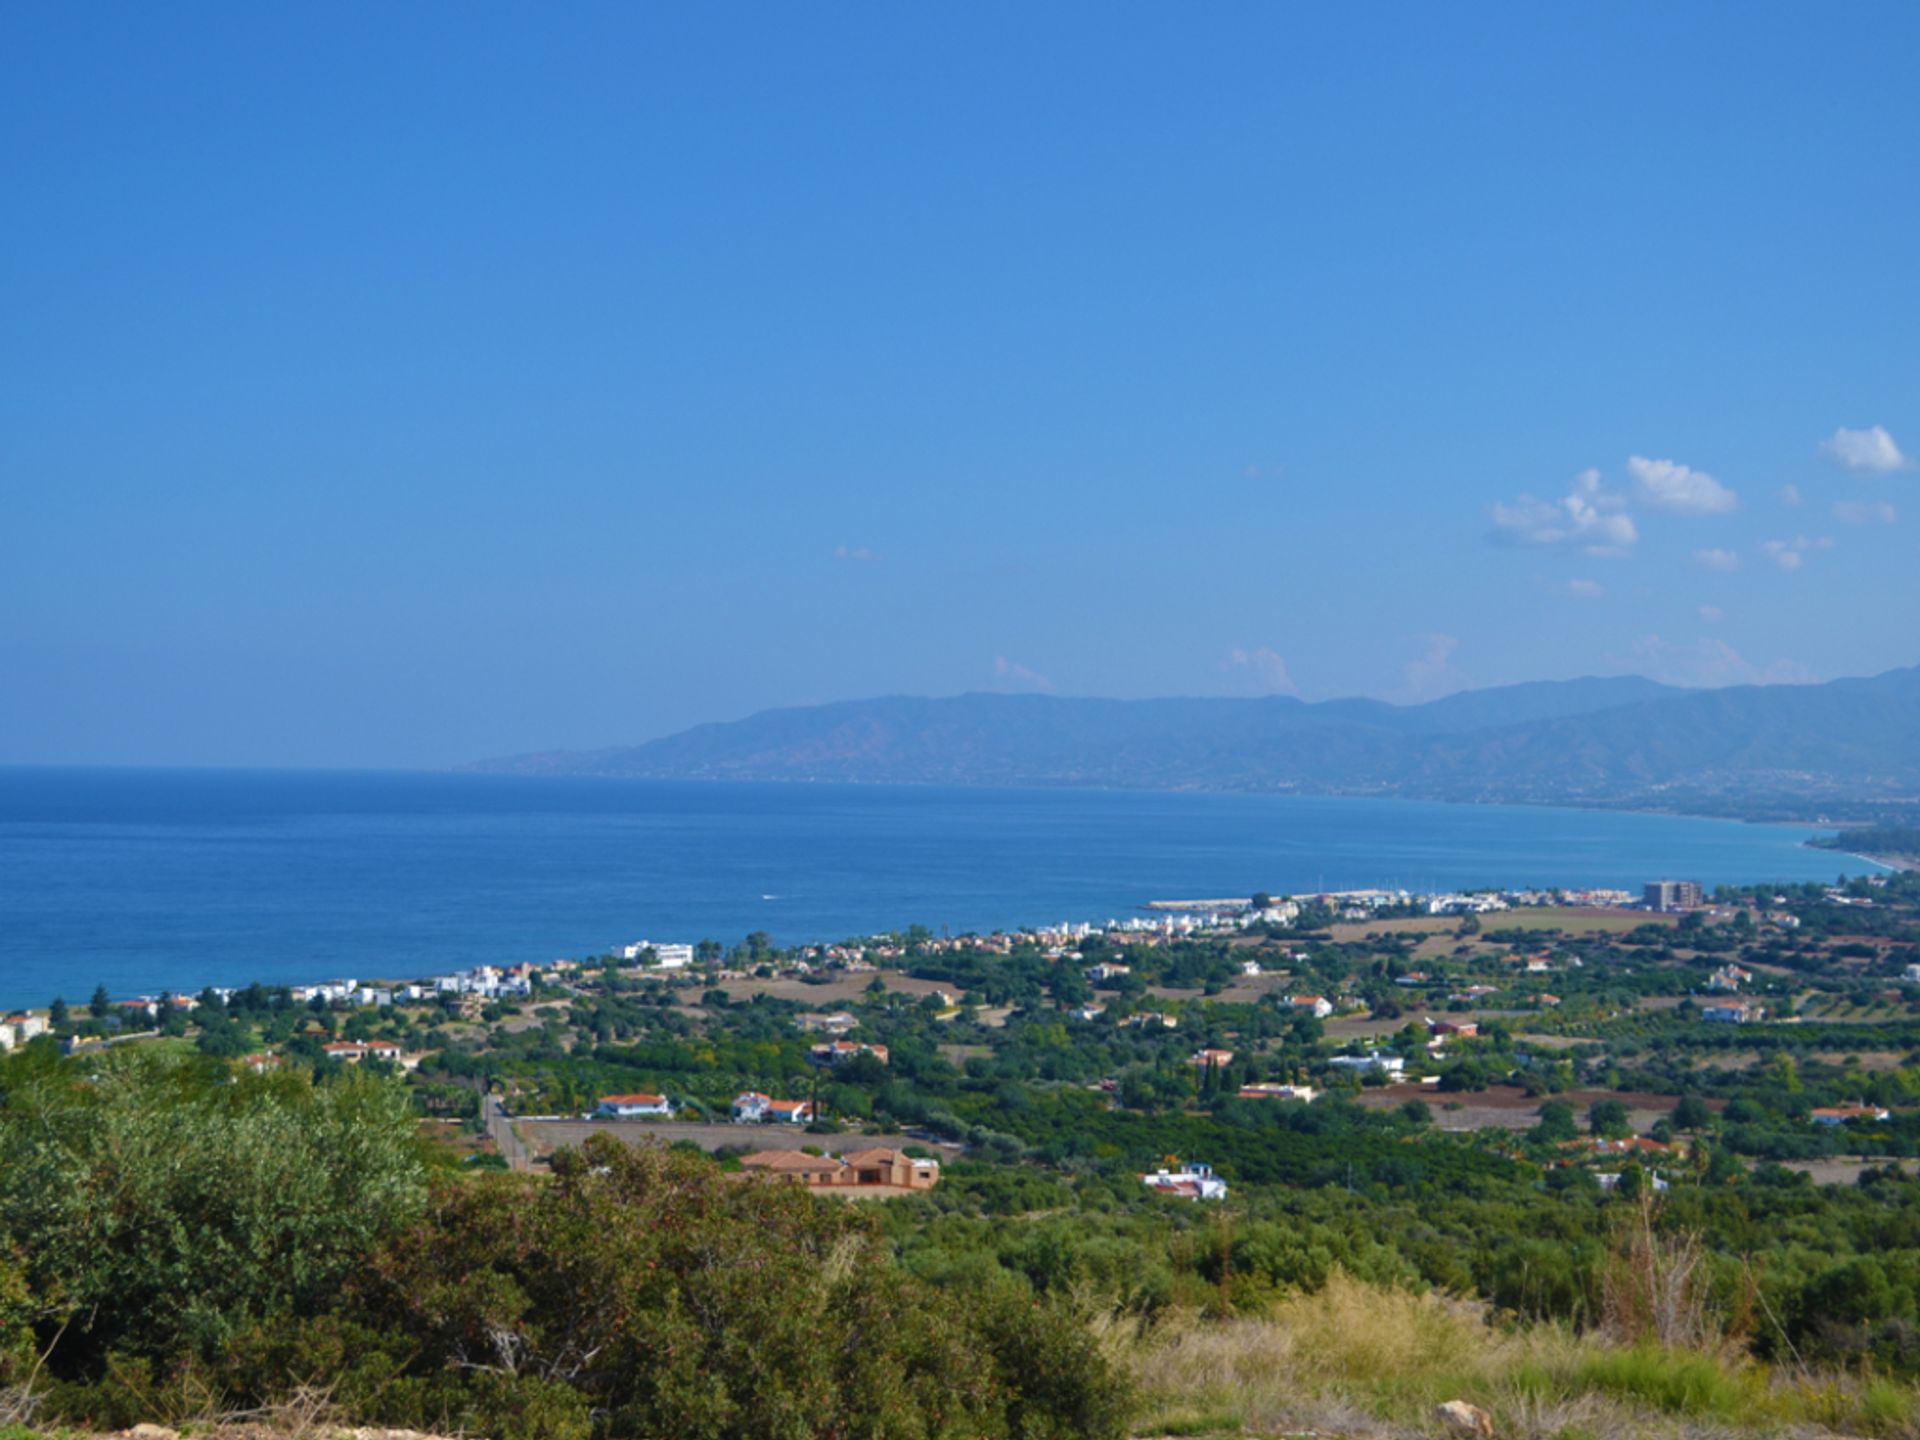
(1568, 919)
(1509, 1107)
(826, 994)
(543, 1137)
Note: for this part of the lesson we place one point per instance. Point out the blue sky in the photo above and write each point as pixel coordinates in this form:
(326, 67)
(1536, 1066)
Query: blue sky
(400, 385)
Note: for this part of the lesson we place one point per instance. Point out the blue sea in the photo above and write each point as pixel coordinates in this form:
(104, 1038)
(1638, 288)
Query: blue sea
(170, 880)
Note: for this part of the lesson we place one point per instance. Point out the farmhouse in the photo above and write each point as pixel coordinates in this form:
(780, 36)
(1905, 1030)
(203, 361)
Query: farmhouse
(839, 1052)
(750, 1107)
(1190, 1182)
(1268, 1091)
(875, 1168)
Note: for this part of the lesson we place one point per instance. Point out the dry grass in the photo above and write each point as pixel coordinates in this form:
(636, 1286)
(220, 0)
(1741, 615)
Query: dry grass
(1353, 1360)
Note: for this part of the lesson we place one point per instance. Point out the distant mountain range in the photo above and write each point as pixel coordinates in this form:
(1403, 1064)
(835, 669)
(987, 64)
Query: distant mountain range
(1623, 741)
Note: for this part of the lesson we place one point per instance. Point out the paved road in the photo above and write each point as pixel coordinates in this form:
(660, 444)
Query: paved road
(504, 1140)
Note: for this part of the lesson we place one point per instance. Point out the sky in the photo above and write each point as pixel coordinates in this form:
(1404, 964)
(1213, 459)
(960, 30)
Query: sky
(402, 385)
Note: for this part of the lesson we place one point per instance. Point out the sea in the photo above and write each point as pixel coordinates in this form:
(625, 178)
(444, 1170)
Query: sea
(169, 880)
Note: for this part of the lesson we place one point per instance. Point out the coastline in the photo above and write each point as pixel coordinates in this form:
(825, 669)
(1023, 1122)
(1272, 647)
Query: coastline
(1897, 864)
(167, 880)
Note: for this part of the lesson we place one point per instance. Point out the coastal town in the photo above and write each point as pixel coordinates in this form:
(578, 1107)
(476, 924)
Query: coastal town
(1471, 1009)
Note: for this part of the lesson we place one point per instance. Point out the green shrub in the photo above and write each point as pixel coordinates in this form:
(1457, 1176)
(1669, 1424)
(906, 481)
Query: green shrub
(167, 1206)
(1677, 1382)
(673, 1300)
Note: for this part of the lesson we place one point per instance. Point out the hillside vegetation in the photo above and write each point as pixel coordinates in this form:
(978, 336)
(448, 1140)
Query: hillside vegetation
(187, 1250)
(1559, 1188)
(175, 1246)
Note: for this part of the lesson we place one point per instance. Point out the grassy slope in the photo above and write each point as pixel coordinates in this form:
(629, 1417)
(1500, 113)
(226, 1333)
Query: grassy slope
(1354, 1360)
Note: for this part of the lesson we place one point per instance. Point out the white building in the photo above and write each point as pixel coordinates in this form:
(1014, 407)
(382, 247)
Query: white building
(1846, 1114)
(483, 980)
(1194, 1182)
(666, 956)
(1375, 1061)
(627, 1107)
(750, 1107)
(1265, 1090)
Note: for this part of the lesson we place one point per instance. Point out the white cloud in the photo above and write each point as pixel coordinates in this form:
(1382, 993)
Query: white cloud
(1792, 554)
(1434, 673)
(1708, 662)
(1669, 485)
(1588, 516)
(1721, 560)
(1712, 614)
(1789, 494)
(1585, 589)
(1265, 667)
(1871, 451)
(1865, 512)
(853, 552)
(1017, 674)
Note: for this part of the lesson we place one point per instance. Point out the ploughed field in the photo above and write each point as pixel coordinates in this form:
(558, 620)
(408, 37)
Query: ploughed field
(1512, 1108)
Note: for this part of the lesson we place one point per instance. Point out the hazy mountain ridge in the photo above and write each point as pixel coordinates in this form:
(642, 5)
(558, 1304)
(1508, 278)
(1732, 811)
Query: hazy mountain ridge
(1592, 740)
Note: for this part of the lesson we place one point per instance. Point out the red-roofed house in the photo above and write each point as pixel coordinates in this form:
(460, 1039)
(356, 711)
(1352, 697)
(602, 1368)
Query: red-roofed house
(838, 1052)
(750, 1107)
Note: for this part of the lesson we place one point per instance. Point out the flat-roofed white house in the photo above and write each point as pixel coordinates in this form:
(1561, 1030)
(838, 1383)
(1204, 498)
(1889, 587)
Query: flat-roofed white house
(666, 957)
(1191, 1182)
(1384, 1064)
(632, 1107)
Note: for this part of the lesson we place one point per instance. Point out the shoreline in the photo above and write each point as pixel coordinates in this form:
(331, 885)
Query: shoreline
(1893, 864)
(1139, 874)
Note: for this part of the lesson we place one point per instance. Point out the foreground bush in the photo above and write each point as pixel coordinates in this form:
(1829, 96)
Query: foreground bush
(159, 1207)
(176, 1243)
(644, 1292)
